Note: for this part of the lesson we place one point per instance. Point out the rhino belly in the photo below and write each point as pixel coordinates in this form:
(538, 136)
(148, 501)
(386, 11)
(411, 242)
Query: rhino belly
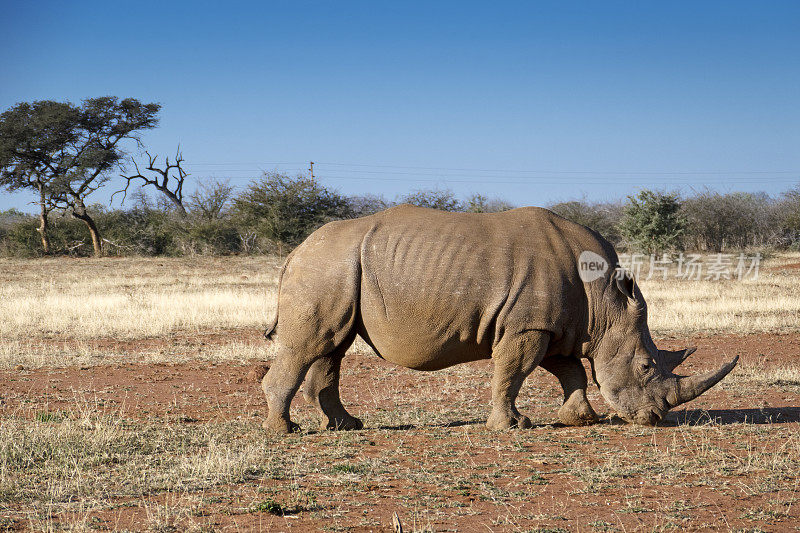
(423, 335)
(430, 291)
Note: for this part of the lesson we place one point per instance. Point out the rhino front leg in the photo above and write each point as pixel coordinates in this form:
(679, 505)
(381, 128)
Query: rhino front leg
(321, 390)
(515, 356)
(576, 410)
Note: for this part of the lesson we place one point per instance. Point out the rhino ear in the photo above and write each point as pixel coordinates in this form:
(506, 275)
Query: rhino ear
(672, 358)
(625, 284)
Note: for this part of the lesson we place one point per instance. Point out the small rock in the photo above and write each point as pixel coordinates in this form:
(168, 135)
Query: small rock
(257, 373)
(19, 367)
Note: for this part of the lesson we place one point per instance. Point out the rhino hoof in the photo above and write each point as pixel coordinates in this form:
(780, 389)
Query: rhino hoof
(577, 417)
(342, 424)
(280, 426)
(500, 423)
(523, 422)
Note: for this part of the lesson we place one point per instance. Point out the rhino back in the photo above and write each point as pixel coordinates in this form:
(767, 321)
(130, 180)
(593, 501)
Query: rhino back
(438, 288)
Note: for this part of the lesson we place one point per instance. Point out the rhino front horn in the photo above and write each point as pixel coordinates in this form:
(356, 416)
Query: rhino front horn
(672, 359)
(689, 388)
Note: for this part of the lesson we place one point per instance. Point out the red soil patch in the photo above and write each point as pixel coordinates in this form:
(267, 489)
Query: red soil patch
(208, 391)
(198, 392)
(186, 344)
(790, 266)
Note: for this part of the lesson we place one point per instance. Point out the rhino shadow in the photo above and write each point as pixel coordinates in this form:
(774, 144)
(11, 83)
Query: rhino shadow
(454, 424)
(685, 417)
(701, 417)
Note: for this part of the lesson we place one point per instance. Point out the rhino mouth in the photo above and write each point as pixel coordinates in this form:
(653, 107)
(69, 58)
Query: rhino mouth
(647, 417)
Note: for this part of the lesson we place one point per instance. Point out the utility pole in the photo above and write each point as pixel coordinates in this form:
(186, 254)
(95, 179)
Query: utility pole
(311, 168)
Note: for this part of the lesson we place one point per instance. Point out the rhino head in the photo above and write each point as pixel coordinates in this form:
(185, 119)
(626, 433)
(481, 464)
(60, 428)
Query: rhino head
(635, 377)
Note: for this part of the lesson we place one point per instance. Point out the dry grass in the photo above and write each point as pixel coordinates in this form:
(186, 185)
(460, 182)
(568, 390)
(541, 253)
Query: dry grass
(37, 354)
(759, 374)
(135, 298)
(76, 461)
(66, 467)
(86, 467)
(769, 304)
(46, 302)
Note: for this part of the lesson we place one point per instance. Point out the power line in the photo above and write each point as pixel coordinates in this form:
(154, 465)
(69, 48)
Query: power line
(453, 174)
(410, 176)
(528, 180)
(550, 171)
(683, 175)
(249, 164)
(486, 177)
(495, 170)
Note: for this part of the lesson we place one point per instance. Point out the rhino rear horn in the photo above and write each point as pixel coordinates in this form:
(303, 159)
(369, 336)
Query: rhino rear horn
(672, 359)
(689, 388)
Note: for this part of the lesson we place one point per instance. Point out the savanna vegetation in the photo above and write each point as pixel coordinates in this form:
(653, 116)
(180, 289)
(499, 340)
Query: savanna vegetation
(130, 401)
(127, 406)
(63, 153)
(276, 212)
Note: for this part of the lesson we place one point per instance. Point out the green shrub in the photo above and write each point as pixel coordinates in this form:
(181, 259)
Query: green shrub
(443, 200)
(205, 236)
(604, 218)
(138, 231)
(731, 221)
(367, 204)
(478, 203)
(68, 236)
(652, 222)
(286, 210)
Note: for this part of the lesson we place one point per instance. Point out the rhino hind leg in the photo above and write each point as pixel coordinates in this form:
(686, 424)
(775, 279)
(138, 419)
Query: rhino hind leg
(576, 410)
(282, 381)
(280, 384)
(515, 357)
(321, 389)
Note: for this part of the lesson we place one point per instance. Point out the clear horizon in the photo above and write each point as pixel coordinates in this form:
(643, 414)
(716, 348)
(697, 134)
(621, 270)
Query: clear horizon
(531, 103)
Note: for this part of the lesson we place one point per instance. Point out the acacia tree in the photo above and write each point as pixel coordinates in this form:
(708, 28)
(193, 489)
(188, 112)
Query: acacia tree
(104, 123)
(32, 139)
(67, 151)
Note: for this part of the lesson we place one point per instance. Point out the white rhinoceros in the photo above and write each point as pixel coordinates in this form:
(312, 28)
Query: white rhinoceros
(428, 289)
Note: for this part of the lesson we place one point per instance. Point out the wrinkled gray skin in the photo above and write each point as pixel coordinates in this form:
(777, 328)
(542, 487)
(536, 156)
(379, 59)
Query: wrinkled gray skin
(428, 290)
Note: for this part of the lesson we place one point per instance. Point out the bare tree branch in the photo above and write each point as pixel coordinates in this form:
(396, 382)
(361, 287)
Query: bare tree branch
(161, 179)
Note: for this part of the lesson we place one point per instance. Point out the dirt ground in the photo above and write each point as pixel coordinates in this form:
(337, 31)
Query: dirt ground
(723, 462)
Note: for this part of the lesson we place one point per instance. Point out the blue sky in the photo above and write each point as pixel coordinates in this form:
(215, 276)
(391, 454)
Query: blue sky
(533, 102)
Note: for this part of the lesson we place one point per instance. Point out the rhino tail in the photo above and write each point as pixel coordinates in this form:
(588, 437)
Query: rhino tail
(269, 333)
